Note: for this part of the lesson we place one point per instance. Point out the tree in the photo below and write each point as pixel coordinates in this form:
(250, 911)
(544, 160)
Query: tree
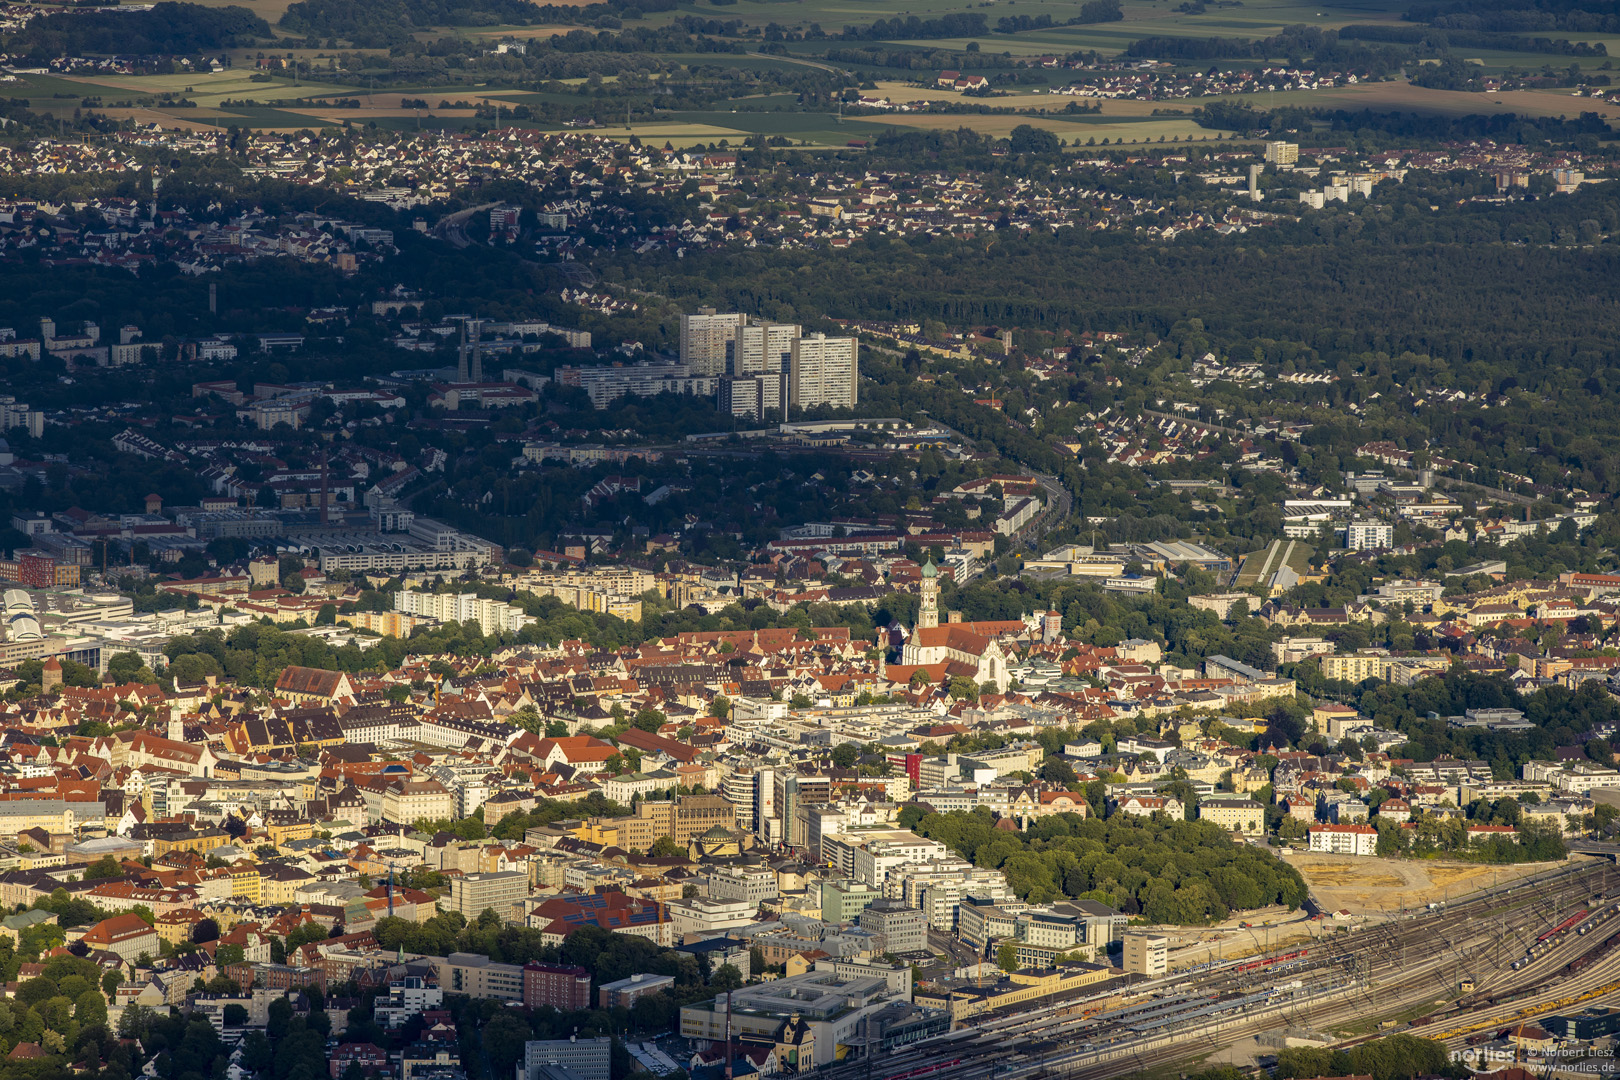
(104, 867)
(665, 847)
(226, 955)
(110, 982)
(235, 1015)
(844, 755)
(727, 978)
(1055, 770)
(1007, 957)
(124, 668)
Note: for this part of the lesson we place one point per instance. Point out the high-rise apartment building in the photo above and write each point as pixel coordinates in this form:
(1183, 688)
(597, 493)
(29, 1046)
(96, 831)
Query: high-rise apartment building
(705, 337)
(822, 372)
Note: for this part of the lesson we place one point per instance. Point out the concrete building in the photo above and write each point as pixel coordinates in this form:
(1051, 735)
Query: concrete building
(1147, 954)
(1344, 839)
(705, 338)
(900, 928)
(473, 893)
(843, 901)
(492, 616)
(478, 976)
(625, 991)
(589, 1059)
(751, 884)
(826, 1008)
(824, 372)
(1234, 815)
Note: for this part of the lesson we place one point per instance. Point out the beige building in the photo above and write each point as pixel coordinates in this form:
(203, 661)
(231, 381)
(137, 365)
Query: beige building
(408, 801)
(1146, 953)
(473, 893)
(1234, 815)
(477, 975)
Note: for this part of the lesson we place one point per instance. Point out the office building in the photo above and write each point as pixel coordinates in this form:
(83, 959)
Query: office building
(750, 884)
(823, 371)
(589, 1059)
(705, 338)
(1147, 954)
(477, 975)
(900, 928)
(824, 1010)
(625, 991)
(843, 901)
(472, 894)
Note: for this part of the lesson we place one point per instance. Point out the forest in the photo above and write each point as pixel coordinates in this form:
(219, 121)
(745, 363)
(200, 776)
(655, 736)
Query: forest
(1178, 872)
(167, 28)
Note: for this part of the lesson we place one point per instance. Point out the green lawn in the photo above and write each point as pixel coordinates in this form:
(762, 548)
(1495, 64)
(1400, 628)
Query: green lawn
(265, 117)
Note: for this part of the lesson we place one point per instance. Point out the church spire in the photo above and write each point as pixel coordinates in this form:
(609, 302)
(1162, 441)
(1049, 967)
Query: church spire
(928, 610)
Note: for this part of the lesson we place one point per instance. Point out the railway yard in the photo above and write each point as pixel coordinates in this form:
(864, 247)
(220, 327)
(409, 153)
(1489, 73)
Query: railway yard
(1456, 973)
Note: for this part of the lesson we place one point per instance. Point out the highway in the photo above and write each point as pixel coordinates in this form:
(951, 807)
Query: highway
(1406, 968)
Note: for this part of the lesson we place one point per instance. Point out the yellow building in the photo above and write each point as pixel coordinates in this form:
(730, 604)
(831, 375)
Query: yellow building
(176, 926)
(245, 881)
(201, 841)
(1019, 988)
(285, 832)
(1234, 815)
(398, 624)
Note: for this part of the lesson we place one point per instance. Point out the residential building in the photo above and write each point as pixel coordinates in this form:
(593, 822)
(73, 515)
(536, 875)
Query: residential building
(705, 338)
(563, 987)
(1234, 815)
(1351, 839)
(824, 372)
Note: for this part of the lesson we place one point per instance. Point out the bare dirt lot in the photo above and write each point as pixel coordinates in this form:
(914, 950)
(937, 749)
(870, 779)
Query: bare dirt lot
(1376, 886)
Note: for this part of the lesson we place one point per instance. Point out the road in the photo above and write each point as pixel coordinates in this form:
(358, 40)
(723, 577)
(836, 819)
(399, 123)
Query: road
(452, 227)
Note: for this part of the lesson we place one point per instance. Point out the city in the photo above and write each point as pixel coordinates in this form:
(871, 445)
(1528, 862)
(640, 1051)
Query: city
(708, 538)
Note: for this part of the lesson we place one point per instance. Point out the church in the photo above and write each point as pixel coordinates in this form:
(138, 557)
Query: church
(968, 649)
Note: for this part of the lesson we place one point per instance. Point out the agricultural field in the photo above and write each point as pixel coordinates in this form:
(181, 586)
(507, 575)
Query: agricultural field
(1077, 129)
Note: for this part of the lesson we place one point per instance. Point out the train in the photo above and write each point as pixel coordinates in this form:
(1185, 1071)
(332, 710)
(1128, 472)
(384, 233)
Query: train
(1256, 965)
(1581, 962)
(925, 1070)
(1562, 927)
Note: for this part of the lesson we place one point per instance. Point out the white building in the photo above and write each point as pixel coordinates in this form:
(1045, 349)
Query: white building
(492, 616)
(1146, 954)
(704, 338)
(1369, 535)
(823, 372)
(1344, 839)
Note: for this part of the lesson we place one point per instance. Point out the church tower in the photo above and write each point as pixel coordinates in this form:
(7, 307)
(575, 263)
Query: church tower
(928, 611)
